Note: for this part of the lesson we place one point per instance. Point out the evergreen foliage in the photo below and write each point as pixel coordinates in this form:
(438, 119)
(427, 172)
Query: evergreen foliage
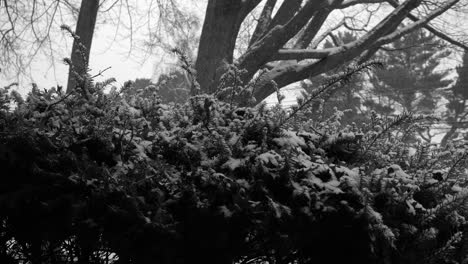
(411, 79)
(457, 95)
(123, 178)
(349, 99)
(172, 87)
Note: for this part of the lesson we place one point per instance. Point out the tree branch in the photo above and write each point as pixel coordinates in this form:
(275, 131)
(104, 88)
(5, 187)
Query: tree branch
(286, 74)
(311, 30)
(434, 31)
(259, 53)
(386, 25)
(302, 54)
(248, 6)
(286, 11)
(349, 3)
(416, 25)
(326, 33)
(263, 22)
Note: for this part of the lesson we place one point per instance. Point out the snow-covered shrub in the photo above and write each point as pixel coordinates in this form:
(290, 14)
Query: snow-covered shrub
(118, 177)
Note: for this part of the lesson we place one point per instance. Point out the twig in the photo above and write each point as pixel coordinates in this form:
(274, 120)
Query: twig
(100, 72)
(340, 78)
(59, 101)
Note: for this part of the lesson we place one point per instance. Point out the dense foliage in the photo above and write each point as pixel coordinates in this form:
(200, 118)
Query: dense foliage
(414, 80)
(457, 111)
(413, 76)
(172, 87)
(94, 177)
(350, 100)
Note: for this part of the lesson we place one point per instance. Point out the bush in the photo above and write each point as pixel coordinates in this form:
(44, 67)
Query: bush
(94, 177)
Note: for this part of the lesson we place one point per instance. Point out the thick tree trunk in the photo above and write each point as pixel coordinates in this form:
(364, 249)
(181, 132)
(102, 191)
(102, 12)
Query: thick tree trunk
(85, 30)
(219, 33)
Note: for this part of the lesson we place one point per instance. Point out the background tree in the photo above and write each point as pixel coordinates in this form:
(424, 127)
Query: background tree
(411, 80)
(173, 87)
(179, 29)
(296, 24)
(350, 98)
(287, 31)
(180, 38)
(30, 29)
(84, 31)
(457, 112)
(175, 28)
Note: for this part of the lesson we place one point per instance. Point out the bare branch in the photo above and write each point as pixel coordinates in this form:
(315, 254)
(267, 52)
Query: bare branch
(302, 54)
(100, 72)
(322, 37)
(390, 22)
(264, 49)
(416, 25)
(349, 3)
(311, 30)
(264, 21)
(286, 74)
(434, 31)
(286, 11)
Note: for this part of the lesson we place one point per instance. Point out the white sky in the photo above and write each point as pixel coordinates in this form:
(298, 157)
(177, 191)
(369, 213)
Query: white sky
(105, 52)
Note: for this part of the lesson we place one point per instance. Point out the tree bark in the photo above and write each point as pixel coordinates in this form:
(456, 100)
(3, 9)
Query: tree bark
(286, 11)
(448, 136)
(263, 50)
(311, 30)
(223, 19)
(84, 30)
(263, 22)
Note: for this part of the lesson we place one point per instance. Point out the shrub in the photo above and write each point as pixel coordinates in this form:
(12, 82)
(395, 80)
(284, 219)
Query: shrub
(94, 177)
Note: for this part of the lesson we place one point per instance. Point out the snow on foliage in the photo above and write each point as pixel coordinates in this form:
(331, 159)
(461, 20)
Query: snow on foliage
(290, 139)
(154, 183)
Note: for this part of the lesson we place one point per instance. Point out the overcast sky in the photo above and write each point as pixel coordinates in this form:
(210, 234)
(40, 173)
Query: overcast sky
(105, 52)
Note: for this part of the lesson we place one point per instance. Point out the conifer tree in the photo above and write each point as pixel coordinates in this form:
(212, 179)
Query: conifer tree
(348, 98)
(457, 111)
(410, 80)
(173, 87)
